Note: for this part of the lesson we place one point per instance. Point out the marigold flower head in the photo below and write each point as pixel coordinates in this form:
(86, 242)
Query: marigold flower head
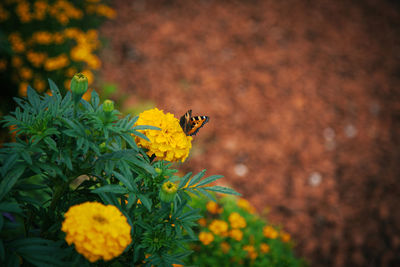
(285, 237)
(202, 222)
(170, 143)
(236, 234)
(244, 204)
(225, 247)
(96, 230)
(251, 252)
(264, 248)
(270, 232)
(219, 227)
(206, 238)
(236, 220)
(213, 207)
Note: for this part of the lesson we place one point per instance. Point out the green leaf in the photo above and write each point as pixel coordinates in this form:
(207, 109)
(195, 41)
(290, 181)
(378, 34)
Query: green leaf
(184, 180)
(127, 181)
(2, 252)
(139, 134)
(10, 179)
(196, 178)
(33, 98)
(145, 201)
(209, 179)
(9, 162)
(26, 156)
(146, 127)
(10, 207)
(208, 195)
(51, 143)
(223, 190)
(111, 188)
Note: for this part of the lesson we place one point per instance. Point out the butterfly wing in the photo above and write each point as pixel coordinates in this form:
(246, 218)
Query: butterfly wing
(185, 121)
(196, 123)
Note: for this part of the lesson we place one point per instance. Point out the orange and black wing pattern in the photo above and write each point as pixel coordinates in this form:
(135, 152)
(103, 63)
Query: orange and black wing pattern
(192, 124)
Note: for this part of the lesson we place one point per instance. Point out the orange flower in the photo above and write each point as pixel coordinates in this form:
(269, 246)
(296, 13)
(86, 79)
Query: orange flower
(285, 237)
(219, 227)
(213, 207)
(206, 238)
(270, 232)
(225, 247)
(236, 220)
(236, 234)
(264, 248)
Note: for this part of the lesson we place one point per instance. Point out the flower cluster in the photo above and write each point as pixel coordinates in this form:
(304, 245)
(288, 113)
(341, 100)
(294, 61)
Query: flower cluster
(96, 230)
(232, 232)
(170, 142)
(45, 42)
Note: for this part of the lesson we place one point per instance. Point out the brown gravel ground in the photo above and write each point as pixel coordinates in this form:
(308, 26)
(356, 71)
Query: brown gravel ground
(304, 104)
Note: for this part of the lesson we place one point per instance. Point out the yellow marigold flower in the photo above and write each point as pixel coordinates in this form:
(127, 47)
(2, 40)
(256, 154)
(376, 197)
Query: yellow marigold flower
(170, 143)
(70, 72)
(251, 252)
(42, 37)
(96, 230)
(202, 222)
(39, 85)
(23, 11)
(225, 247)
(40, 10)
(270, 232)
(23, 88)
(219, 227)
(26, 73)
(3, 14)
(236, 234)
(3, 64)
(58, 38)
(177, 265)
(236, 220)
(16, 62)
(244, 204)
(264, 248)
(206, 238)
(213, 207)
(56, 62)
(16, 42)
(285, 237)
(86, 96)
(36, 58)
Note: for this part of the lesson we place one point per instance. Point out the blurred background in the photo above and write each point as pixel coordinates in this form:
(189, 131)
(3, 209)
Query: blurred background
(303, 101)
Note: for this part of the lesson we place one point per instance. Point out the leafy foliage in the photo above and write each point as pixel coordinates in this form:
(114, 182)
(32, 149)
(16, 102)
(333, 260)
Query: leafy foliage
(69, 152)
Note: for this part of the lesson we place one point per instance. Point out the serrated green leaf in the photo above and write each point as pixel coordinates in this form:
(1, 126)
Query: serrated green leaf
(10, 179)
(209, 179)
(223, 190)
(51, 143)
(184, 180)
(145, 201)
(10, 207)
(110, 188)
(127, 181)
(139, 134)
(196, 178)
(145, 127)
(26, 156)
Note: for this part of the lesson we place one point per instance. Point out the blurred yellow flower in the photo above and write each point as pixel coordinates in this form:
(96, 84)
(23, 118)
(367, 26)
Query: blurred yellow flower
(89, 76)
(219, 227)
(225, 247)
(56, 62)
(251, 252)
(3, 64)
(36, 58)
(25, 73)
(270, 232)
(3, 14)
(264, 248)
(285, 237)
(16, 42)
(23, 11)
(170, 143)
(213, 207)
(96, 230)
(16, 61)
(23, 87)
(39, 85)
(42, 37)
(40, 10)
(244, 204)
(236, 234)
(236, 220)
(206, 238)
(58, 38)
(202, 222)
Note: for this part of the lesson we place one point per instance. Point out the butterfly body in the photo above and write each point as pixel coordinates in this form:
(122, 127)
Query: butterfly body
(192, 124)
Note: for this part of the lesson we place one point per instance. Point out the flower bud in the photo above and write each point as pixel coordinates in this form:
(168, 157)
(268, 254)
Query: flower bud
(108, 106)
(158, 170)
(168, 191)
(79, 84)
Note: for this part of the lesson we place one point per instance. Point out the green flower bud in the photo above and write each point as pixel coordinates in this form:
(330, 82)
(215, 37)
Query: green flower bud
(108, 106)
(168, 191)
(103, 147)
(158, 170)
(79, 84)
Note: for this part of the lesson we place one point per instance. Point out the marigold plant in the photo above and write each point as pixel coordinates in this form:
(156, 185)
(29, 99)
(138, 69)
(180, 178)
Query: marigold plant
(78, 189)
(236, 237)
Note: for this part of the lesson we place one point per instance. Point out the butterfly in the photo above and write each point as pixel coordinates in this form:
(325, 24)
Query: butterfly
(191, 125)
